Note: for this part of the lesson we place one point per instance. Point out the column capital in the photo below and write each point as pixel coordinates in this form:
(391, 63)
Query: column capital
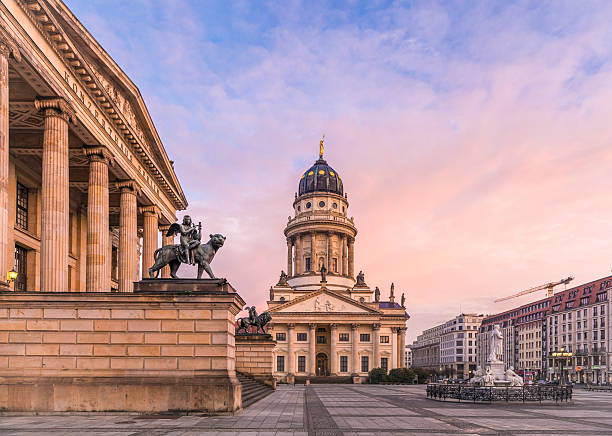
(402, 329)
(164, 228)
(8, 46)
(312, 326)
(98, 153)
(354, 326)
(148, 210)
(376, 326)
(55, 106)
(128, 186)
(395, 329)
(291, 326)
(333, 326)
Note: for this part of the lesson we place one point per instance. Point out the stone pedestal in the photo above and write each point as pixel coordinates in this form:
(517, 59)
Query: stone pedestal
(254, 356)
(499, 372)
(161, 348)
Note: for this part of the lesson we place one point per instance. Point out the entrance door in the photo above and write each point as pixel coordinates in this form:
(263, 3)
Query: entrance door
(322, 368)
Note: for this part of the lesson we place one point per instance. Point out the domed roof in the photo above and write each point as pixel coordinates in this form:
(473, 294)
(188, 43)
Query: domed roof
(320, 177)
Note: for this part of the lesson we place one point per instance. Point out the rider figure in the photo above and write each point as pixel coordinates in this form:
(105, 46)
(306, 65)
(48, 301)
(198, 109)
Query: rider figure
(252, 315)
(190, 238)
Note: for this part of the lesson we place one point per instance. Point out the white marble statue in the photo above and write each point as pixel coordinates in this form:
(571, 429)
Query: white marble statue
(495, 344)
(513, 377)
(488, 379)
(477, 378)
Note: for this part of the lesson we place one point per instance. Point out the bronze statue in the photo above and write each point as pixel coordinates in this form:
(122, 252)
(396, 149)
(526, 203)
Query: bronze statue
(360, 279)
(403, 300)
(259, 321)
(172, 255)
(323, 271)
(376, 294)
(190, 238)
(392, 293)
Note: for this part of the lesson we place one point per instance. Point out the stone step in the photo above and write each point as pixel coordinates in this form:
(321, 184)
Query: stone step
(252, 390)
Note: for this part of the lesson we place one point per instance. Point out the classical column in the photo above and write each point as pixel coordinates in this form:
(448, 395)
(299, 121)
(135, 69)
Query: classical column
(328, 254)
(376, 351)
(5, 264)
(149, 237)
(355, 362)
(312, 358)
(402, 346)
(298, 255)
(98, 234)
(344, 257)
(351, 257)
(166, 240)
(128, 235)
(394, 347)
(55, 194)
(290, 356)
(289, 257)
(333, 358)
(313, 261)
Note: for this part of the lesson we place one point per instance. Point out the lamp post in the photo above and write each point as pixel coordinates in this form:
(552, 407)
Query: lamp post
(11, 276)
(561, 357)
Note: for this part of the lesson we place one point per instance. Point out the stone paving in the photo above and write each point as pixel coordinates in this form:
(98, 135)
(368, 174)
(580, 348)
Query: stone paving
(351, 410)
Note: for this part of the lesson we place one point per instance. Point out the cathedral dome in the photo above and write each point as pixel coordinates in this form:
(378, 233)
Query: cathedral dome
(320, 177)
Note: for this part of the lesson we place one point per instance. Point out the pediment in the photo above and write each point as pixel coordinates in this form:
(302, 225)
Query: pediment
(321, 302)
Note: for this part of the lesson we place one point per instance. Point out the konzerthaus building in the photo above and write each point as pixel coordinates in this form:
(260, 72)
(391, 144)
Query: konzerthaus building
(338, 327)
(82, 168)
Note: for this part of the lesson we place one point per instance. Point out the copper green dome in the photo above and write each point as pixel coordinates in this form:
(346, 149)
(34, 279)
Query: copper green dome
(320, 178)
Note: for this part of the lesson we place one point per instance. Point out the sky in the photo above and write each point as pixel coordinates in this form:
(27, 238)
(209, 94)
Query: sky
(473, 138)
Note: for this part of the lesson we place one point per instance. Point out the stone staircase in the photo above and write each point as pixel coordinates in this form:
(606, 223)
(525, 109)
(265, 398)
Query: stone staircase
(252, 390)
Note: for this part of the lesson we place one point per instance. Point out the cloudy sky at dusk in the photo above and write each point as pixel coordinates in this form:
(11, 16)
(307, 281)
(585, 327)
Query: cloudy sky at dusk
(473, 138)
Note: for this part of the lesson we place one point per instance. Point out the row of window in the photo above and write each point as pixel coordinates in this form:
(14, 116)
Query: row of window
(342, 337)
(301, 363)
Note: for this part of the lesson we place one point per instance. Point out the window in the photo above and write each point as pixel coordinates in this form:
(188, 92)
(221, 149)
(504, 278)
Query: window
(384, 339)
(595, 311)
(22, 207)
(603, 310)
(321, 339)
(343, 337)
(307, 266)
(594, 335)
(308, 205)
(280, 363)
(281, 336)
(321, 204)
(21, 266)
(364, 337)
(343, 363)
(301, 364)
(302, 337)
(365, 363)
(384, 363)
(320, 329)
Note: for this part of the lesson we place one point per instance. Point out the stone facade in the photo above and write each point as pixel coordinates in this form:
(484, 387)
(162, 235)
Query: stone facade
(144, 351)
(336, 327)
(458, 345)
(255, 357)
(82, 168)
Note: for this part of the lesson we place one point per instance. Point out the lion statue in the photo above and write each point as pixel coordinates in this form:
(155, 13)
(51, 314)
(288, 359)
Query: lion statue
(170, 255)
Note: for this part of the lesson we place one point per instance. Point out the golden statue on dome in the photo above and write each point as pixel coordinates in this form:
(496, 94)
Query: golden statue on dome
(321, 147)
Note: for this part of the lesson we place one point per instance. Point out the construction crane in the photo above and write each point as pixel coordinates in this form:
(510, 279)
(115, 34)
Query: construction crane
(548, 286)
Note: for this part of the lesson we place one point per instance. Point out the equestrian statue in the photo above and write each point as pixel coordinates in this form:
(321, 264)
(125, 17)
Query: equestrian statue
(190, 250)
(259, 321)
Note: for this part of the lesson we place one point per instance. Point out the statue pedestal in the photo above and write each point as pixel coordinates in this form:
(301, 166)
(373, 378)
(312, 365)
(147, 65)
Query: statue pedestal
(499, 372)
(254, 356)
(168, 346)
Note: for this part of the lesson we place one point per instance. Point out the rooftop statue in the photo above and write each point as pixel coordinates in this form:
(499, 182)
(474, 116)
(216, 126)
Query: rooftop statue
(360, 279)
(190, 251)
(403, 300)
(376, 294)
(282, 281)
(323, 272)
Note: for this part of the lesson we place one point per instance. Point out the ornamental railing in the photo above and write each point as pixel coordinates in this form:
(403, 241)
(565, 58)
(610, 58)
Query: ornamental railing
(489, 394)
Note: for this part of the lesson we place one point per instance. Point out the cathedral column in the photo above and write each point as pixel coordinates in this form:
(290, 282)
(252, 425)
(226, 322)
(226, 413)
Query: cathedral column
(312, 358)
(402, 347)
(355, 362)
(290, 357)
(333, 358)
(394, 347)
(376, 351)
(328, 254)
(98, 234)
(313, 260)
(344, 256)
(128, 235)
(149, 237)
(298, 255)
(351, 257)
(289, 257)
(55, 194)
(166, 240)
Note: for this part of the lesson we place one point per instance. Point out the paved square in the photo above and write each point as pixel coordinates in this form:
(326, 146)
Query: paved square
(351, 410)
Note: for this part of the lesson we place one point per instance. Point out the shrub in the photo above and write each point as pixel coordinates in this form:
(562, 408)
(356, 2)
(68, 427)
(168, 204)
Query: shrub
(401, 375)
(377, 375)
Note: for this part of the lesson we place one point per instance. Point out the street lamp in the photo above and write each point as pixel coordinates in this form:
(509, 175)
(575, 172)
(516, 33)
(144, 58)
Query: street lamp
(11, 275)
(563, 356)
